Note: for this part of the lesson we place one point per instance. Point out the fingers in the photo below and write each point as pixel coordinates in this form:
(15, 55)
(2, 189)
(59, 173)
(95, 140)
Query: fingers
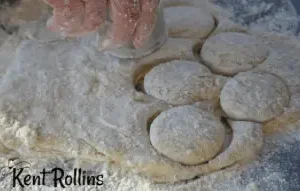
(132, 19)
(77, 17)
(95, 14)
(68, 17)
(146, 22)
(125, 15)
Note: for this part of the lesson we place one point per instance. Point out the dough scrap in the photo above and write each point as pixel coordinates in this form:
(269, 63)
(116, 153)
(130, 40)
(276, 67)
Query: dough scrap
(254, 96)
(230, 53)
(182, 82)
(192, 24)
(284, 62)
(246, 143)
(55, 92)
(187, 135)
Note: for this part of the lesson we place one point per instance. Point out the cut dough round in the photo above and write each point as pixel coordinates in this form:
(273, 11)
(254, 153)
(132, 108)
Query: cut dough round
(254, 96)
(188, 22)
(183, 82)
(231, 52)
(187, 135)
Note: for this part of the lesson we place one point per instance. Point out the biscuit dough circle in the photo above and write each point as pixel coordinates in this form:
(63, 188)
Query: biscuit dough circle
(187, 135)
(254, 96)
(231, 52)
(182, 82)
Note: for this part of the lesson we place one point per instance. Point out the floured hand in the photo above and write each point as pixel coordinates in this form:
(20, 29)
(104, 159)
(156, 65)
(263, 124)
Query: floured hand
(133, 20)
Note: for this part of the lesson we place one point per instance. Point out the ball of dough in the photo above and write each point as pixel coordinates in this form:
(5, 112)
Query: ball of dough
(231, 52)
(182, 82)
(187, 135)
(188, 22)
(254, 96)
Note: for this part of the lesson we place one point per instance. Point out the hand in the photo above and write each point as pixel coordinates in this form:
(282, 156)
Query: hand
(133, 20)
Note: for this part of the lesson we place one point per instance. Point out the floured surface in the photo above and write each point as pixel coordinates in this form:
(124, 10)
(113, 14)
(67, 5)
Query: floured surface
(55, 92)
(72, 103)
(267, 15)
